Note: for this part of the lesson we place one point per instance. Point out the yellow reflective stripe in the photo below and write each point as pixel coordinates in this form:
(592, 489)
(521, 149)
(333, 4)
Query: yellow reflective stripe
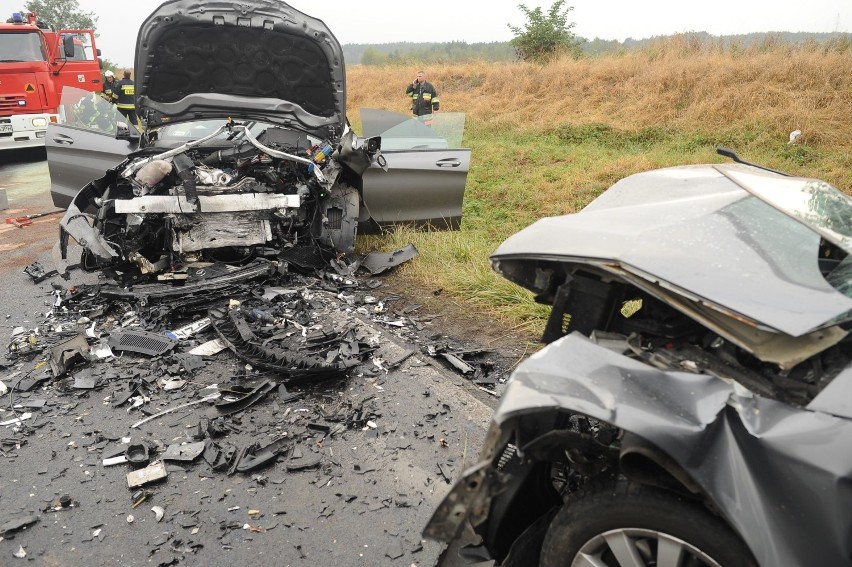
(427, 97)
(119, 105)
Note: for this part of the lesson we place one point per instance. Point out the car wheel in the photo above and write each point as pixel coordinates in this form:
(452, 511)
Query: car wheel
(626, 524)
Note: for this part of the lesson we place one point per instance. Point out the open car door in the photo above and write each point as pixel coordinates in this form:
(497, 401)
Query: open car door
(85, 143)
(426, 170)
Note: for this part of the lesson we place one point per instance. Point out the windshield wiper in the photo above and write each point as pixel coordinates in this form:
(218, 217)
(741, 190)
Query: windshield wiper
(729, 153)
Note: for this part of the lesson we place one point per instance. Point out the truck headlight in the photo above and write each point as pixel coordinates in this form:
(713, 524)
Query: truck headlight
(40, 122)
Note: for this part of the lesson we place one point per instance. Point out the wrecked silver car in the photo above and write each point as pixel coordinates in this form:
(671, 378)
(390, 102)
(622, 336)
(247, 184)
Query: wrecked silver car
(246, 150)
(693, 403)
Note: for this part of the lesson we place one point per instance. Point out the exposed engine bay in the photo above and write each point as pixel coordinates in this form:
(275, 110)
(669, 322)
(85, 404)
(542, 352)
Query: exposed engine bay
(228, 196)
(629, 320)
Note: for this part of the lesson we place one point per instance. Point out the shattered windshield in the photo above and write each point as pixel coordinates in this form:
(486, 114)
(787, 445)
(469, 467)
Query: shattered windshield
(816, 204)
(21, 47)
(401, 132)
(88, 111)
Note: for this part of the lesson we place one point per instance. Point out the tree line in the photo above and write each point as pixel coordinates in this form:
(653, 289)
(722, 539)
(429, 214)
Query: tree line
(459, 51)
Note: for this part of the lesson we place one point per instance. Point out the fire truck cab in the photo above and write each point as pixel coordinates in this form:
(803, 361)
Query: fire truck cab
(36, 62)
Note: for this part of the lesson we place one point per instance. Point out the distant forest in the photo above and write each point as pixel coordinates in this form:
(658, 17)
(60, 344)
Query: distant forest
(460, 51)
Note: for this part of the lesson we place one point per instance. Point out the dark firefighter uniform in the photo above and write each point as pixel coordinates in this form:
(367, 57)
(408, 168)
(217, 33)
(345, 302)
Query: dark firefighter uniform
(424, 100)
(110, 90)
(126, 102)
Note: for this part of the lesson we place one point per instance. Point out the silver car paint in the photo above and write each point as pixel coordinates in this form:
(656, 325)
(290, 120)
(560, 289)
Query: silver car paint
(706, 237)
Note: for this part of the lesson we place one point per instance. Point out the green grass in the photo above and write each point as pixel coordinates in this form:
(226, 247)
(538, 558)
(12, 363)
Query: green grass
(519, 176)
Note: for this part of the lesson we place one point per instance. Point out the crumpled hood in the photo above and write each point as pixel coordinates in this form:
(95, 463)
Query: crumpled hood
(256, 59)
(698, 233)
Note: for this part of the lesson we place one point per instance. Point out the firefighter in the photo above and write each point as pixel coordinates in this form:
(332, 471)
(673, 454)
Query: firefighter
(126, 101)
(424, 98)
(110, 88)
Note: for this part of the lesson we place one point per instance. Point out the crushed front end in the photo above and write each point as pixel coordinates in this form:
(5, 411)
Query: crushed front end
(227, 196)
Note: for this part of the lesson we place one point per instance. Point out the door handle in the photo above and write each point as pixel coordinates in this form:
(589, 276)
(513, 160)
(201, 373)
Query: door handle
(448, 162)
(63, 139)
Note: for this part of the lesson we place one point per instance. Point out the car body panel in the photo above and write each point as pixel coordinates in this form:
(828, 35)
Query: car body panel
(694, 230)
(425, 187)
(752, 455)
(256, 59)
(79, 150)
(698, 346)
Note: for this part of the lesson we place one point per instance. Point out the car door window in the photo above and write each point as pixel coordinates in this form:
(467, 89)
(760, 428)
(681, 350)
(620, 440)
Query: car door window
(401, 132)
(89, 111)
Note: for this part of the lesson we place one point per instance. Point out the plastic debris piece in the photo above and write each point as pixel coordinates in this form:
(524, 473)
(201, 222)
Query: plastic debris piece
(102, 351)
(158, 513)
(151, 473)
(188, 330)
(84, 381)
(141, 342)
(65, 355)
(130, 518)
(16, 420)
(185, 452)
(137, 454)
(458, 363)
(139, 497)
(378, 262)
(114, 461)
(17, 522)
(21, 553)
(169, 384)
(209, 348)
(170, 410)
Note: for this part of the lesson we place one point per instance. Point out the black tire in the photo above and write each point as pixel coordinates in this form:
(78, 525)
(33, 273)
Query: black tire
(640, 516)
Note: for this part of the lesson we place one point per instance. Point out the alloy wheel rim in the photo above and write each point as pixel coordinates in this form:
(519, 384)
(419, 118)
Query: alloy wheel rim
(635, 547)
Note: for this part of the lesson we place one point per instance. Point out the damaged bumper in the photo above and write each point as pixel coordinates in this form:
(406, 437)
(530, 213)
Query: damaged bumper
(777, 474)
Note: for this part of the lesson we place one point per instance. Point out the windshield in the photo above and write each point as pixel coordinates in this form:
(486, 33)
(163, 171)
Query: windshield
(186, 131)
(815, 204)
(16, 46)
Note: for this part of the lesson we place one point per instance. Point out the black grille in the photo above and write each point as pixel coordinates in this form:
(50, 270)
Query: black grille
(141, 342)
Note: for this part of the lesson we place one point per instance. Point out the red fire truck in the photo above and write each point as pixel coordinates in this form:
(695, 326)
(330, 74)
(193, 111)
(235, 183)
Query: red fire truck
(36, 62)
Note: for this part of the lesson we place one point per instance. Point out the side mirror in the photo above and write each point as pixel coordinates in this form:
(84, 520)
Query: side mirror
(68, 46)
(126, 132)
(99, 52)
(373, 145)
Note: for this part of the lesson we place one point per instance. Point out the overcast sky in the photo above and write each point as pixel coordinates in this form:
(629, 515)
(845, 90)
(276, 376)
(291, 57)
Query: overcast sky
(384, 21)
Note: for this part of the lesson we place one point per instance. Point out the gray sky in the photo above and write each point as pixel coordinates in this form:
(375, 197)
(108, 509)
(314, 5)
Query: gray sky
(384, 21)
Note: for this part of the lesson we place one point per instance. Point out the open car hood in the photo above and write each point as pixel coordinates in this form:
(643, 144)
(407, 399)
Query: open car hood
(697, 233)
(256, 59)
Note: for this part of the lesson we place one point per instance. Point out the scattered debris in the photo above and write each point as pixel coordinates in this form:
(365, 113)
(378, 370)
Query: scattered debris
(187, 452)
(378, 262)
(158, 513)
(151, 473)
(17, 522)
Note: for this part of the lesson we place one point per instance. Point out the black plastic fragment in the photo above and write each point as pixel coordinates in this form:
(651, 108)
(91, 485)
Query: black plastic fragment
(251, 398)
(17, 522)
(256, 456)
(157, 291)
(65, 355)
(37, 272)
(235, 332)
(143, 342)
(378, 262)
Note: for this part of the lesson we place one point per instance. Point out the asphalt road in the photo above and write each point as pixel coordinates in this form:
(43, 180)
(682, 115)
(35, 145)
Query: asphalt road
(365, 505)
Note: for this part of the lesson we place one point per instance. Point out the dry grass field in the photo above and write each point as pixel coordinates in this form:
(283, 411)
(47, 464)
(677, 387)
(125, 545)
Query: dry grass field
(547, 139)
